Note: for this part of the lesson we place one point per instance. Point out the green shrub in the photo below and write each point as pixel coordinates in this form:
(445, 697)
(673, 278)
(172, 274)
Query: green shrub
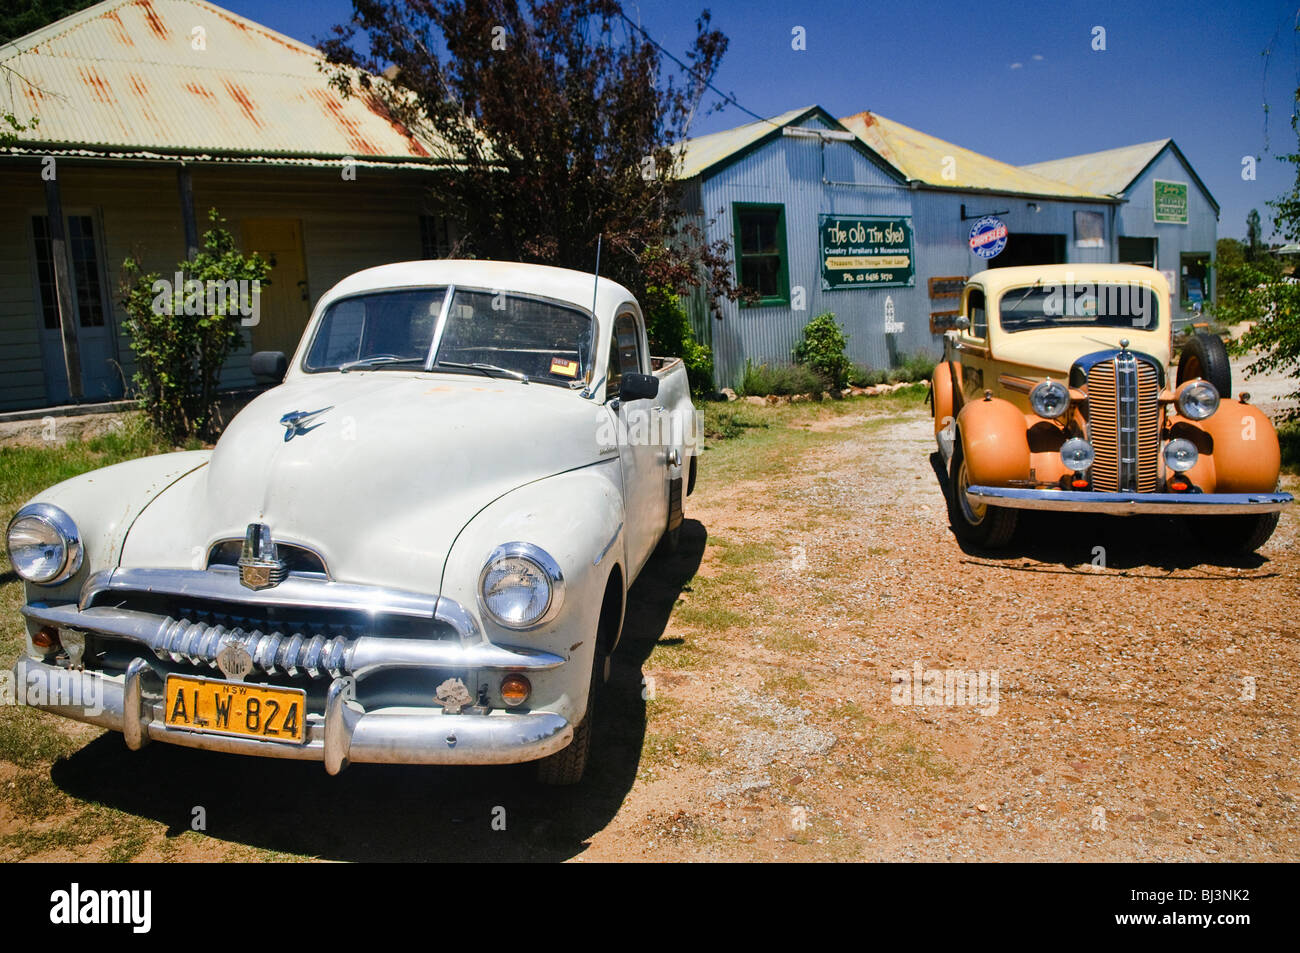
(1288, 435)
(781, 380)
(182, 336)
(862, 376)
(671, 334)
(915, 368)
(822, 350)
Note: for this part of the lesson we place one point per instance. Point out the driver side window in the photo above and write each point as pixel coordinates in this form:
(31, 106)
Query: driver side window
(624, 353)
(979, 318)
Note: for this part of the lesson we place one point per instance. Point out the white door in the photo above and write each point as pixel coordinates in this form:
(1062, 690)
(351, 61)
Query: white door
(100, 378)
(641, 456)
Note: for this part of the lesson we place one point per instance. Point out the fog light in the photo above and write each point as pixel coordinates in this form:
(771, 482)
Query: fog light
(515, 690)
(1077, 454)
(1180, 455)
(46, 637)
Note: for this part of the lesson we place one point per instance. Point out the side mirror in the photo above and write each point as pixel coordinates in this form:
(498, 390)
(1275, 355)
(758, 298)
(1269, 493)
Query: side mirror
(638, 387)
(269, 367)
(962, 323)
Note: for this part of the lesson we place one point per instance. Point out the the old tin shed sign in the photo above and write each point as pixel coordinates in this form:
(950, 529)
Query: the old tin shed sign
(866, 251)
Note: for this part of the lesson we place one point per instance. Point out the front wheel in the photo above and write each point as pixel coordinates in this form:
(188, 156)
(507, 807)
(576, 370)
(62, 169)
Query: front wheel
(567, 766)
(1234, 534)
(974, 522)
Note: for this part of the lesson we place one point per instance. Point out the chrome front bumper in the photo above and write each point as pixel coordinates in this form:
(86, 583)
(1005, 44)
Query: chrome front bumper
(132, 704)
(1130, 504)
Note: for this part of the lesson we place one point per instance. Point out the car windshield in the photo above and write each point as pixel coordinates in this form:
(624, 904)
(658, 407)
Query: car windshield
(487, 332)
(384, 329)
(501, 332)
(1126, 305)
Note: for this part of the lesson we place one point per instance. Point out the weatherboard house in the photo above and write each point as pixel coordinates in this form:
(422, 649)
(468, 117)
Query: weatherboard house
(152, 112)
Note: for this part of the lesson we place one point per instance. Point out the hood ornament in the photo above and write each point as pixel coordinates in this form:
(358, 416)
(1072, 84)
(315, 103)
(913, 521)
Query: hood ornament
(298, 422)
(260, 566)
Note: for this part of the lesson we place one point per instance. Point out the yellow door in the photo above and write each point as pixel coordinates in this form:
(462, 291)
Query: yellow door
(286, 301)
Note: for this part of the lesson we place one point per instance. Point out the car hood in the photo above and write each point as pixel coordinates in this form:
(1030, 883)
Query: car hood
(379, 480)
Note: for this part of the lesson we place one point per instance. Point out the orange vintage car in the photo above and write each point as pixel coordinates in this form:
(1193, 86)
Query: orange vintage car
(1058, 392)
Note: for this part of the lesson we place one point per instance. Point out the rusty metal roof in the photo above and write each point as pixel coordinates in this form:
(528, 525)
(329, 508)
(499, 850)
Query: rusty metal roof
(1113, 171)
(936, 163)
(186, 77)
(705, 152)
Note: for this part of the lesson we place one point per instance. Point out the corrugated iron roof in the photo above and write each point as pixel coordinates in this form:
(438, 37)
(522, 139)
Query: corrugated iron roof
(925, 159)
(1110, 171)
(704, 152)
(133, 75)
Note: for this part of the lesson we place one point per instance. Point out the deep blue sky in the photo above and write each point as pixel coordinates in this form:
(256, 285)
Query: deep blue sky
(1193, 71)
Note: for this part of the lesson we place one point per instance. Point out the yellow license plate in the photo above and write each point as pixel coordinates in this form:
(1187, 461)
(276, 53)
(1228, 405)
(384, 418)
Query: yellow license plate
(234, 708)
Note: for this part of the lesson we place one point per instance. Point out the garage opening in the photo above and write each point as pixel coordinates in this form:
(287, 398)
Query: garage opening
(1028, 248)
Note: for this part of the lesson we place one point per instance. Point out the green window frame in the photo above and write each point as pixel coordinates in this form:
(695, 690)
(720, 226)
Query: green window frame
(764, 262)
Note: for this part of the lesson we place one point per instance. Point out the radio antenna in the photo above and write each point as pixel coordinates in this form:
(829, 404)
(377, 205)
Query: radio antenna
(595, 285)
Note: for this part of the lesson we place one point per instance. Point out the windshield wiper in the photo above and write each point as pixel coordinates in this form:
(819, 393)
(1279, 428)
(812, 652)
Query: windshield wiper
(487, 369)
(379, 359)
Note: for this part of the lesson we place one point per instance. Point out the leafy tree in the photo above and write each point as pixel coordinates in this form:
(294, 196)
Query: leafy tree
(563, 119)
(183, 335)
(670, 333)
(822, 350)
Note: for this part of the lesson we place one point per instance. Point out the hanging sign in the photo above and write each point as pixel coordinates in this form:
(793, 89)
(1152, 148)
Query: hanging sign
(988, 236)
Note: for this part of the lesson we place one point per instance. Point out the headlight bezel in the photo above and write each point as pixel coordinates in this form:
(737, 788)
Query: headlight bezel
(1038, 395)
(1183, 399)
(544, 563)
(63, 526)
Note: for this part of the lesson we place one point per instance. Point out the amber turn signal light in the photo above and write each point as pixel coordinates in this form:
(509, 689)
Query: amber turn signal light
(1079, 483)
(46, 637)
(515, 690)
(1178, 487)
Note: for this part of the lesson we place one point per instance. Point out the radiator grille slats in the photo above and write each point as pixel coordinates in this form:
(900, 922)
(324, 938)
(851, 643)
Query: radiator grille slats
(1118, 415)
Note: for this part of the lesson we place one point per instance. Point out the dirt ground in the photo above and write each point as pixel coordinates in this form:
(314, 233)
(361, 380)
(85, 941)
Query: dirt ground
(1139, 699)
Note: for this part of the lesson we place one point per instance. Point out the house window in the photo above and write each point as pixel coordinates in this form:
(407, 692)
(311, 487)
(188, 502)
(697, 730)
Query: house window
(761, 263)
(87, 291)
(435, 236)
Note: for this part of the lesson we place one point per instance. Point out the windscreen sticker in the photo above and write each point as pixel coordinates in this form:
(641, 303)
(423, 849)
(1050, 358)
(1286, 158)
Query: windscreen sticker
(563, 367)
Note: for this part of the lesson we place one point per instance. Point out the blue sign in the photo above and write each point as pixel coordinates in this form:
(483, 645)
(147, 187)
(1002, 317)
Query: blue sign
(988, 237)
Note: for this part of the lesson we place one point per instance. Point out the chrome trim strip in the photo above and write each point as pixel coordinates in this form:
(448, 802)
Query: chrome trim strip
(132, 702)
(296, 592)
(1130, 504)
(1126, 420)
(198, 643)
(436, 340)
(612, 540)
(384, 736)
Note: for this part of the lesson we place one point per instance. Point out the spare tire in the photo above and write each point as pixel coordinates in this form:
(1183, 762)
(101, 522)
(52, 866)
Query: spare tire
(1205, 356)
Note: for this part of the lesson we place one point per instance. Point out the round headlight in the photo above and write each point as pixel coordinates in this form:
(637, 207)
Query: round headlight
(1198, 400)
(1077, 454)
(521, 586)
(1049, 399)
(1180, 455)
(44, 545)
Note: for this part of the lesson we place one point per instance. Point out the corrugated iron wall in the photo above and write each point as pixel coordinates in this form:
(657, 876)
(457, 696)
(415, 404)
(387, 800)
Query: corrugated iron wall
(788, 171)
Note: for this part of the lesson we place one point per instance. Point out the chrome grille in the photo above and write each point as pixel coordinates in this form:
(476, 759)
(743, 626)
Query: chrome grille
(1124, 424)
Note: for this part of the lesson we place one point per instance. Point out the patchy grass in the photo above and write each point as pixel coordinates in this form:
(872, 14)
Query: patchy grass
(1288, 435)
(29, 737)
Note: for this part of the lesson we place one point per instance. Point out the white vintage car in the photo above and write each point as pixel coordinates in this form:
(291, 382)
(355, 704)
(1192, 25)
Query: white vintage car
(416, 549)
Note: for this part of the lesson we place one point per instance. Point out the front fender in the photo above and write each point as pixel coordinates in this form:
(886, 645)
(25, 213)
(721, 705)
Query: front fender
(994, 441)
(1239, 451)
(578, 518)
(104, 503)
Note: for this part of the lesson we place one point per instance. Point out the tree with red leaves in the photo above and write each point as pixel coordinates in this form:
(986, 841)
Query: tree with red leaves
(564, 120)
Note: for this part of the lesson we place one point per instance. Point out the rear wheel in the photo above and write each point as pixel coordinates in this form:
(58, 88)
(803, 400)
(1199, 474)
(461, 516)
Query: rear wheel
(972, 521)
(1234, 534)
(1205, 356)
